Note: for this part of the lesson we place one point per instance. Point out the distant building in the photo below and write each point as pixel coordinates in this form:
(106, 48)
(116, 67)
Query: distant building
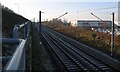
(94, 23)
(119, 14)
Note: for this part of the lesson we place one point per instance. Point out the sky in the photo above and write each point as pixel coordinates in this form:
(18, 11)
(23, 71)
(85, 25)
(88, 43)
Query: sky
(77, 9)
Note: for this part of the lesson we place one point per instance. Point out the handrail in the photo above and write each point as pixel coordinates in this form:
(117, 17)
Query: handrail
(15, 32)
(18, 27)
(10, 40)
(17, 60)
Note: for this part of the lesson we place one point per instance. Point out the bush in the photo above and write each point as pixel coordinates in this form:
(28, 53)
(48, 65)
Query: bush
(97, 40)
(93, 35)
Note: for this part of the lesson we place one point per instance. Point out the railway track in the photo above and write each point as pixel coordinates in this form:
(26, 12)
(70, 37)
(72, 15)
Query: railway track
(72, 57)
(67, 61)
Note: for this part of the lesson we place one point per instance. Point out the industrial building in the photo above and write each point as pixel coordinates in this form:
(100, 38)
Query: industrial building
(94, 23)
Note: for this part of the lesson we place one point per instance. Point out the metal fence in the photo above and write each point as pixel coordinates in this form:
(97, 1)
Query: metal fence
(20, 39)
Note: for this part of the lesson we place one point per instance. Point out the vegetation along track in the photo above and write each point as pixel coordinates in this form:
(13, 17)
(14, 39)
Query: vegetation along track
(72, 57)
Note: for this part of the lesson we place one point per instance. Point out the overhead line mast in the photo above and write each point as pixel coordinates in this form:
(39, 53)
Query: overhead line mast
(97, 17)
(61, 15)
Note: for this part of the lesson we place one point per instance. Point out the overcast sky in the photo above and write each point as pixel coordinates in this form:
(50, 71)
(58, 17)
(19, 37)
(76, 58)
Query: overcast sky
(76, 9)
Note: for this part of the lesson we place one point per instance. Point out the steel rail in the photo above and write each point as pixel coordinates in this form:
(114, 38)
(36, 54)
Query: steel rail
(54, 51)
(63, 58)
(91, 61)
(98, 55)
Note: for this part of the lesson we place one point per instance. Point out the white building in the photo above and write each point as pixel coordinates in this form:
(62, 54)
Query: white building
(101, 26)
(94, 23)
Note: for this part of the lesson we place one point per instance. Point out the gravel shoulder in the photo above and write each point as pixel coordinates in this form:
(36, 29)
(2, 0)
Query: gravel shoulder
(40, 58)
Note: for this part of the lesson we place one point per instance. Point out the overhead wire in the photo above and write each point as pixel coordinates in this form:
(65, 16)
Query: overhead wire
(98, 11)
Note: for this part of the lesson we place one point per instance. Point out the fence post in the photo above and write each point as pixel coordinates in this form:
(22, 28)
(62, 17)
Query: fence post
(15, 32)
